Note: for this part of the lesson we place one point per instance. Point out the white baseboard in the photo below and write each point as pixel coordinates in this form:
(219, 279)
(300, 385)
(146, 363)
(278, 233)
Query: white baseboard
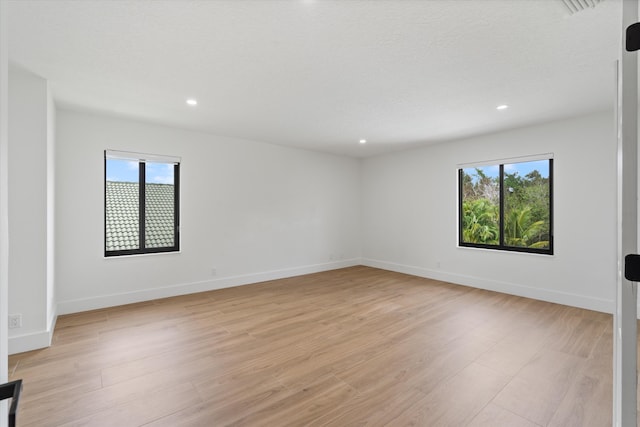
(33, 340)
(549, 295)
(104, 301)
(42, 339)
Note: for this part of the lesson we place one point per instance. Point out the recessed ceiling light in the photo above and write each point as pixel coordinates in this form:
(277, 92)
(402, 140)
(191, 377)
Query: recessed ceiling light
(363, 141)
(502, 107)
(192, 102)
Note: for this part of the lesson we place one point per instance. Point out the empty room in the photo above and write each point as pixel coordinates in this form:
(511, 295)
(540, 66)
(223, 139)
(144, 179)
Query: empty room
(318, 212)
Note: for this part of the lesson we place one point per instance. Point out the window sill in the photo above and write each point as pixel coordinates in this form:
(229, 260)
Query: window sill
(502, 251)
(142, 255)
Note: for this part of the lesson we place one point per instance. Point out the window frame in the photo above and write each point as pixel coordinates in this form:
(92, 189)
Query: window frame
(142, 160)
(501, 246)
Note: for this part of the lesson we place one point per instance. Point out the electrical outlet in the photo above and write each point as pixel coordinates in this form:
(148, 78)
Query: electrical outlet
(15, 321)
(214, 271)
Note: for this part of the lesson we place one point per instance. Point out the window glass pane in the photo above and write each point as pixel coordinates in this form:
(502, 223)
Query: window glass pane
(122, 206)
(481, 205)
(526, 204)
(159, 205)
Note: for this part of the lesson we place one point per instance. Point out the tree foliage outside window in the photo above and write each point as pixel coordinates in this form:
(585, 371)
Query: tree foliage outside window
(507, 206)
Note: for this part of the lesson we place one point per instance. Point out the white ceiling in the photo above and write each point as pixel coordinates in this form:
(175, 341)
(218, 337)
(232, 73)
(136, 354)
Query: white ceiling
(322, 74)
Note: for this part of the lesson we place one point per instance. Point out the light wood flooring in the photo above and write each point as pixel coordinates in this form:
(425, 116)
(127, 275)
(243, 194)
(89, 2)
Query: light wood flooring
(350, 347)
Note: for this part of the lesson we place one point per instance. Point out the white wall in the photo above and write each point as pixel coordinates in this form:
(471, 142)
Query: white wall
(29, 142)
(410, 214)
(253, 211)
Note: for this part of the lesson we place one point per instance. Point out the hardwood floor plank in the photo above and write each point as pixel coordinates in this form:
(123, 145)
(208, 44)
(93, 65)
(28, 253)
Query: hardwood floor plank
(493, 415)
(515, 351)
(302, 407)
(141, 411)
(585, 404)
(377, 407)
(537, 391)
(457, 401)
(578, 337)
(225, 409)
(57, 409)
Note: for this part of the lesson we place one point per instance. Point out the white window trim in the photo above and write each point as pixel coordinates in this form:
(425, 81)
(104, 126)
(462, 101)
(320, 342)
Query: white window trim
(141, 157)
(520, 159)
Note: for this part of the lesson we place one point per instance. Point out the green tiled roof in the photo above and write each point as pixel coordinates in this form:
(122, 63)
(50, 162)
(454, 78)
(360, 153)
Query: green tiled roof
(122, 215)
(159, 214)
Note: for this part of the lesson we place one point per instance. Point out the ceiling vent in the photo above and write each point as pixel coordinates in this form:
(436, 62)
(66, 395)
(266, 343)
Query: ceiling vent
(575, 6)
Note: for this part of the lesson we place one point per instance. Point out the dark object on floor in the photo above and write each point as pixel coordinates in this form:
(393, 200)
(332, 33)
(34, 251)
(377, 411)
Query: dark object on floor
(11, 390)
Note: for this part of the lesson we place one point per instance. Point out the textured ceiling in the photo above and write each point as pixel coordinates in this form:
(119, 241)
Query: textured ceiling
(322, 74)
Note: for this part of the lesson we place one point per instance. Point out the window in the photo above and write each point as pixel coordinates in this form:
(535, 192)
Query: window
(141, 219)
(507, 206)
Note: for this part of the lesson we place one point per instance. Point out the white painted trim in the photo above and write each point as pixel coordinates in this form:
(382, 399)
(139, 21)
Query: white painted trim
(33, 340)
(4, 215)
(625, 337)
(51, 323)
(510, 160)
(141, 157)
(574, 300)
(111, 300)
